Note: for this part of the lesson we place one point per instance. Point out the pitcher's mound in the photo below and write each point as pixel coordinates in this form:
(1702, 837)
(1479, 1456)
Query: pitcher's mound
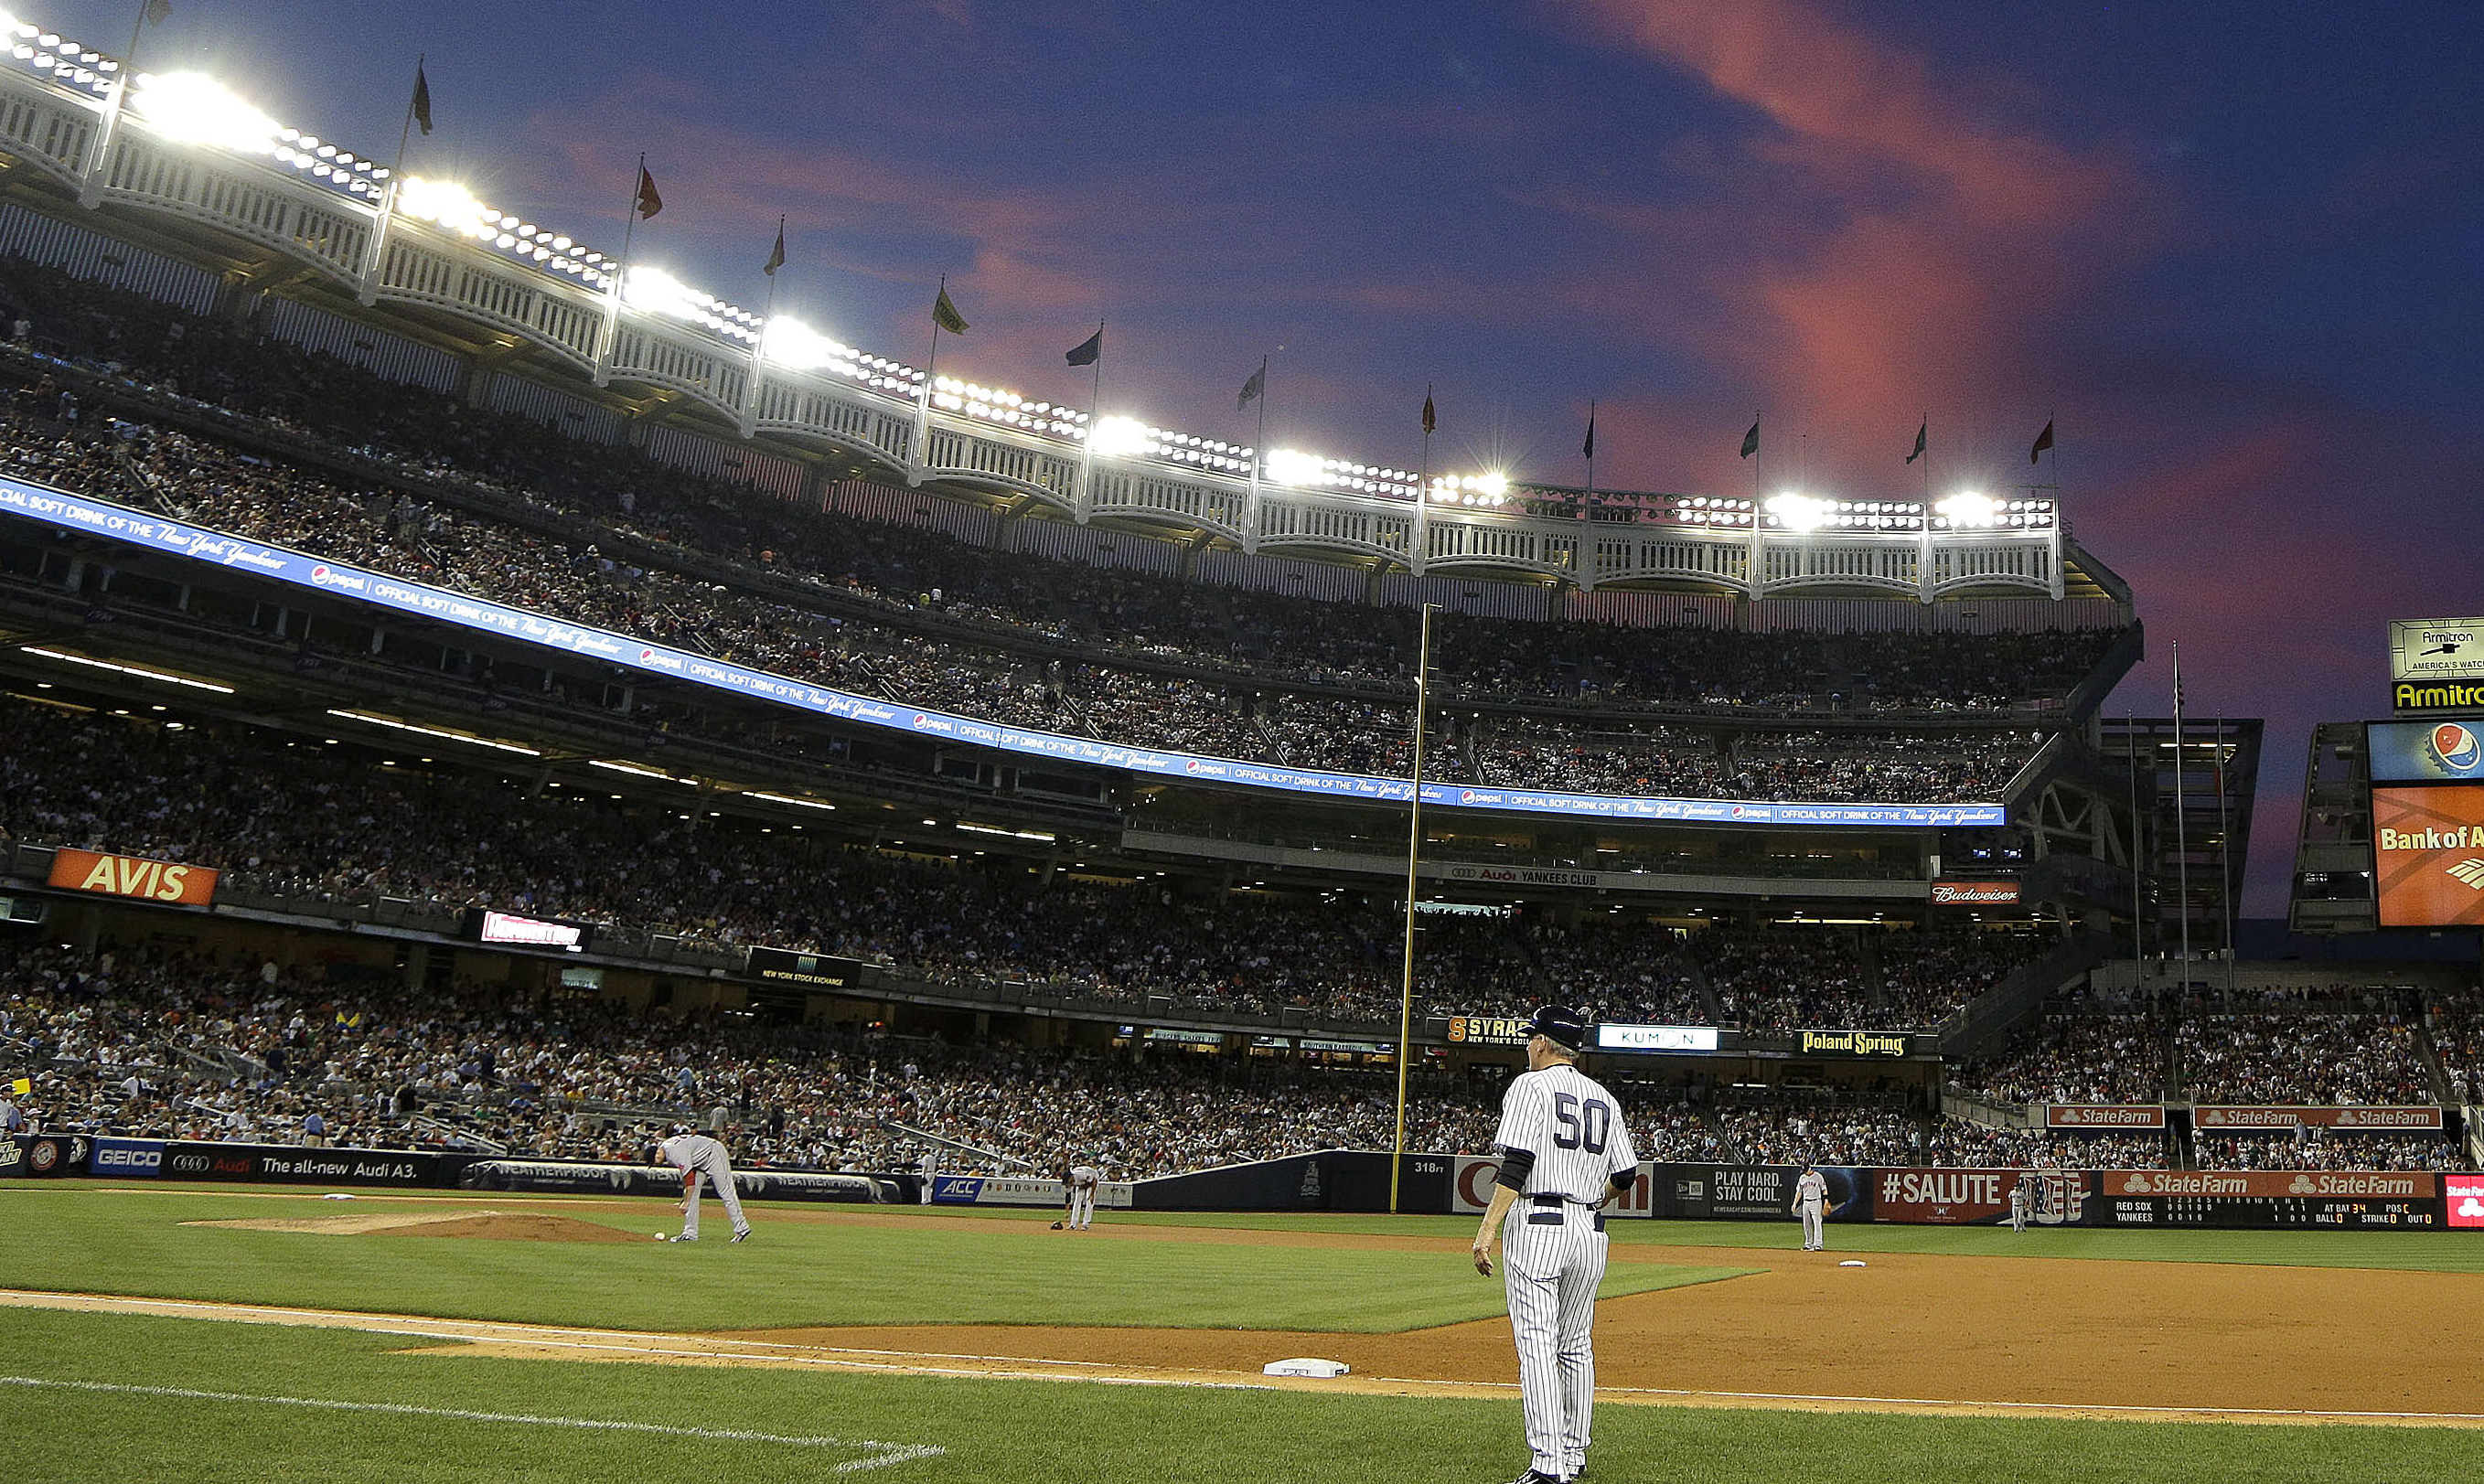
(496, 1225)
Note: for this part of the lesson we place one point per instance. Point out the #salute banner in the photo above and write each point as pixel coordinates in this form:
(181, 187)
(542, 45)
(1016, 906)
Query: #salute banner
(159, 533)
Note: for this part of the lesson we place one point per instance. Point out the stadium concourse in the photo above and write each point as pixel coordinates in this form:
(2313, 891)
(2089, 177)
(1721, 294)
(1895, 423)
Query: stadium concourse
(140, 1024)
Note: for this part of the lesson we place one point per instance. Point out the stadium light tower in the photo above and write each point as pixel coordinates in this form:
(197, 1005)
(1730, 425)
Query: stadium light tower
(1797, 512)
(1113, 437)
(1967, 509)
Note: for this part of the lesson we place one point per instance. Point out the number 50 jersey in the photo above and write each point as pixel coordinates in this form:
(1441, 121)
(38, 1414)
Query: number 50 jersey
(1572, 1126)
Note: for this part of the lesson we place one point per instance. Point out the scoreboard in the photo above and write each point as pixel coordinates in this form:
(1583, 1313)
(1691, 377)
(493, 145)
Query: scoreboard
(2338, 1213)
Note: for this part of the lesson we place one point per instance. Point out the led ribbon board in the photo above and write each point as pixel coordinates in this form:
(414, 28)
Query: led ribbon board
(158, 534)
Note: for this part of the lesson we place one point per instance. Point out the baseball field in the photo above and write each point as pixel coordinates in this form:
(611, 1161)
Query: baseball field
(204, 1334)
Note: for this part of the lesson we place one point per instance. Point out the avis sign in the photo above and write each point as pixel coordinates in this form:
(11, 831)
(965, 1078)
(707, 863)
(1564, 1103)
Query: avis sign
(132, 876)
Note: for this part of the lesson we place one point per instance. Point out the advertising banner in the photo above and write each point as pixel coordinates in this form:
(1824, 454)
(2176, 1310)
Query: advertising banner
(140, 1158)
(2435, 649)
(1870, 1043)
(1656, 1037)
(2423, 751)
(132, 876)
(2056, 1197)
(1487, 1030)
(2104, 1115)
(816, 971)
(292, 1165)
(2345, 1120)
(158, 534)
(1470, 1188)
(987, 1190)
(1975, 893)
(2466, 1193)
(2355, 1200)
(2428, 855)
(43, 1156)
(759, 1184)
(1756, 1192)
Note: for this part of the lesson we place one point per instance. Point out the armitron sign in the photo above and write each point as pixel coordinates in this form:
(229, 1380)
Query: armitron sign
(133, 876)
(1975, 893)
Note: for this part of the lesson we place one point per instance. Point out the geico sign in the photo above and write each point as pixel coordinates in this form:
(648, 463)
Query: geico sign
(127, 1159)
(132, 876)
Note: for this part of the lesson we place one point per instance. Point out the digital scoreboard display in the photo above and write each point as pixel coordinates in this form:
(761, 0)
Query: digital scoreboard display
(2358, 1215)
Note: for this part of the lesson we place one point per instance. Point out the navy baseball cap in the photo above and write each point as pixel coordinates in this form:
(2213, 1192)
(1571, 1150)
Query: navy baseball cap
(1559, 1023)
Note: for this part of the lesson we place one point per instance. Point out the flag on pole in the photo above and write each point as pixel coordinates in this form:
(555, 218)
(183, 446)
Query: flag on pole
(1921, 434)
(2044, 441)
(1429, 421)
(776, 259)
(1588, 448)
(1089, 351)
(1254, 389)
(649, 203)
(157, 9)
(422, 100)
(1751, 439)
(945, 315)
(2178, 692)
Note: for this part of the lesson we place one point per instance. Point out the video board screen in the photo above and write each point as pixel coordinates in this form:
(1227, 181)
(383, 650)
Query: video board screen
(2428, 856)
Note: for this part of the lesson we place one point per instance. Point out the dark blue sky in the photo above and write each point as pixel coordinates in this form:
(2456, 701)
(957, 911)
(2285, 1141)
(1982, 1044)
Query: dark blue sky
(2238, 250)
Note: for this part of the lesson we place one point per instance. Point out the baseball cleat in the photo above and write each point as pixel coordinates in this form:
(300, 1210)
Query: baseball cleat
(744, 1235)
(1535, 1476)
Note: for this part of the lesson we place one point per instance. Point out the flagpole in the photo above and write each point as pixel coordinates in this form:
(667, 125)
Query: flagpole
(2224, 864)
(922, 404)
(1094, 406)
(612, 303)
(1422, 491)
(2138, 910)
(1759, 513)
(371, 258)
(1259, 455)
(2181, 823)
(1413, 855)
(1591, 458)
(90, 182)
(759, 341)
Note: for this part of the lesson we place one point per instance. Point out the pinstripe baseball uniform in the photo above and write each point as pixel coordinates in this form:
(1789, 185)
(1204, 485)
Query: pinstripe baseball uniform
(1570, 1132)
(1082, 1183)
(696, 1155)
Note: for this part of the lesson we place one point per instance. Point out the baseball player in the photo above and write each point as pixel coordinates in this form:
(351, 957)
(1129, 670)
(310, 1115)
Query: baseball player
(1079, 1186)
(1564, 1152)
(2022, 1197)
(696, 1155)
(1810, 1204)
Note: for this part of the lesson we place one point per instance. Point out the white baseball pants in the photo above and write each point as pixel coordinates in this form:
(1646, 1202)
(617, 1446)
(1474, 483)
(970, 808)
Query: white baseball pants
(1081, 1209)
(1815, 1226)
(719, 1174)
(1552, 1257)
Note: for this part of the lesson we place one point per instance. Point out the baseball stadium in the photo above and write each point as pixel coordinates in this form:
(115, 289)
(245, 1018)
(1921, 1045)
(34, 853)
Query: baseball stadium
(478, 708)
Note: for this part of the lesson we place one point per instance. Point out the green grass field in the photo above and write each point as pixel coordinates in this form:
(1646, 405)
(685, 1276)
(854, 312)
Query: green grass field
(94, 1397)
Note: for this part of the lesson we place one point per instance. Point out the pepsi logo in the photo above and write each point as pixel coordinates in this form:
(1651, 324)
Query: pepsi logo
(646, 655)
(2456, 746)
(319, 574)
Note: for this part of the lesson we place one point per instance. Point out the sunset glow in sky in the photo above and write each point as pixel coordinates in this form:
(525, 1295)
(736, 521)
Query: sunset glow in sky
(2236, 252)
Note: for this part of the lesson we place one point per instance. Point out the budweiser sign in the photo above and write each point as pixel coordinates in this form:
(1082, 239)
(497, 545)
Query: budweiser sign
(1975, 893)
(2347, 1184)
(2104, 1115)
(133, 876)
(2239, 1116)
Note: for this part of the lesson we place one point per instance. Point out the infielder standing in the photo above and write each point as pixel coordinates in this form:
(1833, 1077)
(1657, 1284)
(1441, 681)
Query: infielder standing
(1564, 1152)
(696, 1155)
(1810, 1204)
(1079, 1186)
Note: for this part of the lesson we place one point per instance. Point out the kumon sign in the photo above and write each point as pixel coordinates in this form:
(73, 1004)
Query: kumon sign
(133, 876)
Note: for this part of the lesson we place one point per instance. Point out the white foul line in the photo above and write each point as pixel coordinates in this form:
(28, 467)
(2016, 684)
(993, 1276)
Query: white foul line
(885, 1454)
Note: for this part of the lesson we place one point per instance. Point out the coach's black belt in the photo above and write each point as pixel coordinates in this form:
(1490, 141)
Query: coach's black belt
(1555, 1197)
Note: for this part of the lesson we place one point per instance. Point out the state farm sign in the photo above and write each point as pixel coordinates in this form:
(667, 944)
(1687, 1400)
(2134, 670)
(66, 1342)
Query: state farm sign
(132, 876)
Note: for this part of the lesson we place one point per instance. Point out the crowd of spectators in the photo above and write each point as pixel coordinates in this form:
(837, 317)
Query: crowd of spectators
(264, 388)
(316, 822)
(2312, 1149)
(2077, 1053)
(2308, 1058)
